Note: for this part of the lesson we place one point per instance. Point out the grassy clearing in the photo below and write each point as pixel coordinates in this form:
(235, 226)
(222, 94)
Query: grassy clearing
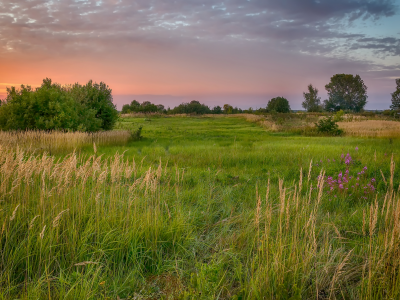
(201, 208)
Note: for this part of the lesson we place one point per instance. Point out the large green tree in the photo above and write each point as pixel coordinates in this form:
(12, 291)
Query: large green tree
(346, 92)
(396, 96)
(279, 105)
(312, 102)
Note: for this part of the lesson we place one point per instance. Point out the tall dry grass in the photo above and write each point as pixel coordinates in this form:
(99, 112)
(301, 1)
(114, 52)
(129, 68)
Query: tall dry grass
(56, 141)
(371, 128)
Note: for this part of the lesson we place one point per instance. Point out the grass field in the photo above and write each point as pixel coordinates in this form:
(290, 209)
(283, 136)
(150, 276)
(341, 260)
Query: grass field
(203, 208)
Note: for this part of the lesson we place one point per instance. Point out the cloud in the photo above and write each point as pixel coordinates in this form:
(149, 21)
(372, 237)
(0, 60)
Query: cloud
(69, 25)
(379, 45)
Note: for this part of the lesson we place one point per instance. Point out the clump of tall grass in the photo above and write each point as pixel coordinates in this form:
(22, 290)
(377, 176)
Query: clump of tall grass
(57, 141)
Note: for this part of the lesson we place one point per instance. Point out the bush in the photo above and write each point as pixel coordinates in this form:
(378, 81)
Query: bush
(328, 126)
(338, 116)
(388, 112)
(55, 107)
(136, 135)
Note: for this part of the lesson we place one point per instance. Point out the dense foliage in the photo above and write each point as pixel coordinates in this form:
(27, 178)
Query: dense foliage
(346, 92)
(312, 103)
(396, 96)
(54, 107)
(279, 105)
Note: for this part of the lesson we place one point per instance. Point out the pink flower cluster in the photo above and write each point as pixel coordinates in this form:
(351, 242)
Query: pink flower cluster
(351, 186)
(348, 159)
(347, 185)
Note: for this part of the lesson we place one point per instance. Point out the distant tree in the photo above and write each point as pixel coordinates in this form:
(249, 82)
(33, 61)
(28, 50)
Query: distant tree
(193, 107)
(346, 92)
(236, 110)
(279, 105)
(196, 107)
(145, 103)
(126, 109)
(145, 107)
(148, 107)
(135, 106)
(312, 103)
(228, 109)
(217, 110)
(396, 96)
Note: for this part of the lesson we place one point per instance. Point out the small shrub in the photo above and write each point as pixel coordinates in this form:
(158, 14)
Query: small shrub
(338, 116)
(136, 135)
(328, 126)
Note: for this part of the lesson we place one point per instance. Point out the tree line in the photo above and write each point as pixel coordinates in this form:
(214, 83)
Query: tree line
(192, 107)
(345, 92)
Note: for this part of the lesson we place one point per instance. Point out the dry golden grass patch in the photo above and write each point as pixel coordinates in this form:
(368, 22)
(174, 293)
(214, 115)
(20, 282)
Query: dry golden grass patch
(371, 128)
(36, 140)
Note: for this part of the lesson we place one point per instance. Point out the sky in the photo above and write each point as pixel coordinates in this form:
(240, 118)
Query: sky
(241, 52)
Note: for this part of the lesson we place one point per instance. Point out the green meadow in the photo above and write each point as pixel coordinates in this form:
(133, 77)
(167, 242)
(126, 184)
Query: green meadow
(203, 208)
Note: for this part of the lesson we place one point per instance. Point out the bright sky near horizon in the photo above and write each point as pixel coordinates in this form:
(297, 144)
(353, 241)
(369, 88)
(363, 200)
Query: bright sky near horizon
(242, 52)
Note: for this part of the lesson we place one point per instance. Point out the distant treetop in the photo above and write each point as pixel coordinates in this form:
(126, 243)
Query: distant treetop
(346, 92)
(279, 105)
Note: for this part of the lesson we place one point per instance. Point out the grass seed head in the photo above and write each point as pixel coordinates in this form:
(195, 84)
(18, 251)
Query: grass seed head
(56, 220)
(33, 221)
(42, 232)
(14, 213)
